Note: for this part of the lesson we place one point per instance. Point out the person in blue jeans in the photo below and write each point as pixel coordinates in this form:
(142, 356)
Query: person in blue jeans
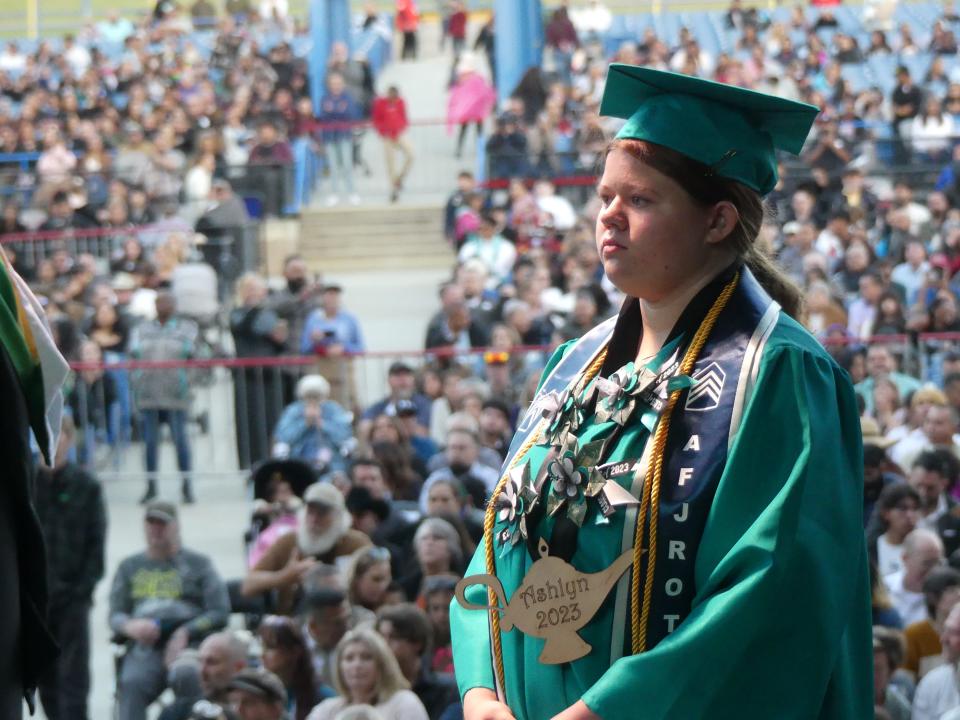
(163, 395)
(338, 111)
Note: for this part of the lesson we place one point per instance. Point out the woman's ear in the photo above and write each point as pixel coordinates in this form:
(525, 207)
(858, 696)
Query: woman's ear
(724, 218)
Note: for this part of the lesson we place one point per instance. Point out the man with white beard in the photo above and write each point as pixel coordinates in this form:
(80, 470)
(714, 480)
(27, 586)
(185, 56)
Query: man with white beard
(323, 535)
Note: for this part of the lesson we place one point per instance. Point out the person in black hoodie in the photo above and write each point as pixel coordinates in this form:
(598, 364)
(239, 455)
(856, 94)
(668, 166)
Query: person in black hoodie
(73, 516)
(257, 332)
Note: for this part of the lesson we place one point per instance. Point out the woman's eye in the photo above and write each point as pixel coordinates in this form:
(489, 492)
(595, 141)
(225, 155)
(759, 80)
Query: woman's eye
(638, 200)
(604, 200)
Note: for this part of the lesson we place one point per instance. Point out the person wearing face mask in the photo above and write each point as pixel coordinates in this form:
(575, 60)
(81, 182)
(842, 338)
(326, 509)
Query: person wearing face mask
(694, 463)
(257, 332)
(299, 297)
(462, 456)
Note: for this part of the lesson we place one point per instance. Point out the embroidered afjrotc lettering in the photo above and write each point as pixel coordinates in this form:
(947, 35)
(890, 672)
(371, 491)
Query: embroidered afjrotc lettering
(677, 549)
(693, 444)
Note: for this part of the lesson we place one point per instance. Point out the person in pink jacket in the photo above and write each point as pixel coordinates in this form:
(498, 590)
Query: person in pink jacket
(471, 100)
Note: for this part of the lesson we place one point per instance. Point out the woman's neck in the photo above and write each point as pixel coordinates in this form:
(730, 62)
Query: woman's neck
(436, 567)
(364, 696)
(894, 538)
(660, 316)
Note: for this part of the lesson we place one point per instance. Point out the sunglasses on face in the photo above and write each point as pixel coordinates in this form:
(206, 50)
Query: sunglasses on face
(206, 710)
(378, 554)
(277, 621)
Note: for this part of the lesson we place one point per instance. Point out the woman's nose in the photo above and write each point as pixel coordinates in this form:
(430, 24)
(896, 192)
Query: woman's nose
(611, 215)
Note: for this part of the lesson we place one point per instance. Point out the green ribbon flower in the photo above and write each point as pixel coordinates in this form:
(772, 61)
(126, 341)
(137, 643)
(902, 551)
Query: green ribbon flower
(507, 502)
(517, 499)
(566, 477)
(555, 409)
(619, 395)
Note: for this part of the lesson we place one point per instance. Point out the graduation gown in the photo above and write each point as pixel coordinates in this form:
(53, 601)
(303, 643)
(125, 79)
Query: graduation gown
(761, 602)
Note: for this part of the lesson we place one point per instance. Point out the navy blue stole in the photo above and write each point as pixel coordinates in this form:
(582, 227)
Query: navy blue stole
(702, 429)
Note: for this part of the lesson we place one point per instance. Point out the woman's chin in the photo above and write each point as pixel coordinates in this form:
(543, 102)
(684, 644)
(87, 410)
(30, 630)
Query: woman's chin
(621, 279)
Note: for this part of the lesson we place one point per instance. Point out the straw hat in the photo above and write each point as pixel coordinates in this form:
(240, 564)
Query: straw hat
(872, 435)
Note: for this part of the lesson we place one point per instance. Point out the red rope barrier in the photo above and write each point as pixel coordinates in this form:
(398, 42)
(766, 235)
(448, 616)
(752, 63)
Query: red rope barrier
(420, 356)
(293, 360)
(91, 233)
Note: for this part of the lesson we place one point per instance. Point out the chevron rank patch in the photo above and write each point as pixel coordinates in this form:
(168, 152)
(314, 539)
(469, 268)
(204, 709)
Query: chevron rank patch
(708, 386)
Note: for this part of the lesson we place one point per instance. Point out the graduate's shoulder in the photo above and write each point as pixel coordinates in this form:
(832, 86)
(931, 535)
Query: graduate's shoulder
(791, 338)
(554, 360)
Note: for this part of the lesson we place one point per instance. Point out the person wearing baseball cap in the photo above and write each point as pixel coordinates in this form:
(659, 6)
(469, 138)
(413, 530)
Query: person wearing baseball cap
(162, 600)
(323, 534)
(402, 382)
(258, 694)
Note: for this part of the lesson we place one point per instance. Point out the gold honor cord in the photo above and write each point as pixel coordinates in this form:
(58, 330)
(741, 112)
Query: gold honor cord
(651, 490)
(650, 498)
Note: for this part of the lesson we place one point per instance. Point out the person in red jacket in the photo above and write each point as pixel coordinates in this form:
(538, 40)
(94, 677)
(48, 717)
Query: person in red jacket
(457, 27)
(407, 20)
(389, 116)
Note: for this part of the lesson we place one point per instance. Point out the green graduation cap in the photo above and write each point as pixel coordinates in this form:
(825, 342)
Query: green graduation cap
(733, 130)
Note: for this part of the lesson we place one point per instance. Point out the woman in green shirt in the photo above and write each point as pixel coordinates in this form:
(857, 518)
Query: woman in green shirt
(701, 447)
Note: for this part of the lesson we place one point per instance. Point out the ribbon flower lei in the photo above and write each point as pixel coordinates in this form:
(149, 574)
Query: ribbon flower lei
(568, 474)
(619, 394)
(516, 500)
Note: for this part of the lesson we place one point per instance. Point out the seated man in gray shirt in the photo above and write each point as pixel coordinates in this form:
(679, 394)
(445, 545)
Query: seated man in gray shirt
(161, 601)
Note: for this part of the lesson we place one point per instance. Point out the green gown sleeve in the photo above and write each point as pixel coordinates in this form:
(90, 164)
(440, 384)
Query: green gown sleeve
(469, 630)
(556, 357)
(470, 634)
(780, 626)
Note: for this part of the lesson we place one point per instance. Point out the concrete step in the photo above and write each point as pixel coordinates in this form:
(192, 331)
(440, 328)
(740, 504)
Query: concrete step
(385, 263)
(359, 239)
(384, 242)
(362, 215)
(374, 231)
(376, 254)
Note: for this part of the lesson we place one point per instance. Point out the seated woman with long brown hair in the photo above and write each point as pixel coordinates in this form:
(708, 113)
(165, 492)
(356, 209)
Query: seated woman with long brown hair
(286, 655)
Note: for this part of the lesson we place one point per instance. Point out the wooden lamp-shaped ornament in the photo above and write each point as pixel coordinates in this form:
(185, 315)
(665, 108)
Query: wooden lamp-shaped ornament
(553, 601)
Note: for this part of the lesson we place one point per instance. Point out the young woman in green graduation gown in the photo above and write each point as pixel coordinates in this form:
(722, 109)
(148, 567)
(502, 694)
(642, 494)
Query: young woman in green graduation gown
(698, 457)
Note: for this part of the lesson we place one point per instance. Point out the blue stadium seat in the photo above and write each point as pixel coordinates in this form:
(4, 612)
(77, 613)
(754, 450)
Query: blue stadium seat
(703, 27)
(826, 34)
(917, 65)
(300, 45)
(618, 25)
(798, 38)
(727, 37)
(779, 14)
(855, 76)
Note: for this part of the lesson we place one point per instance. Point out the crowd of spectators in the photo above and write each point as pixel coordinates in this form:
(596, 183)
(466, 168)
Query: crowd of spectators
(366, 515)
(888, 94)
